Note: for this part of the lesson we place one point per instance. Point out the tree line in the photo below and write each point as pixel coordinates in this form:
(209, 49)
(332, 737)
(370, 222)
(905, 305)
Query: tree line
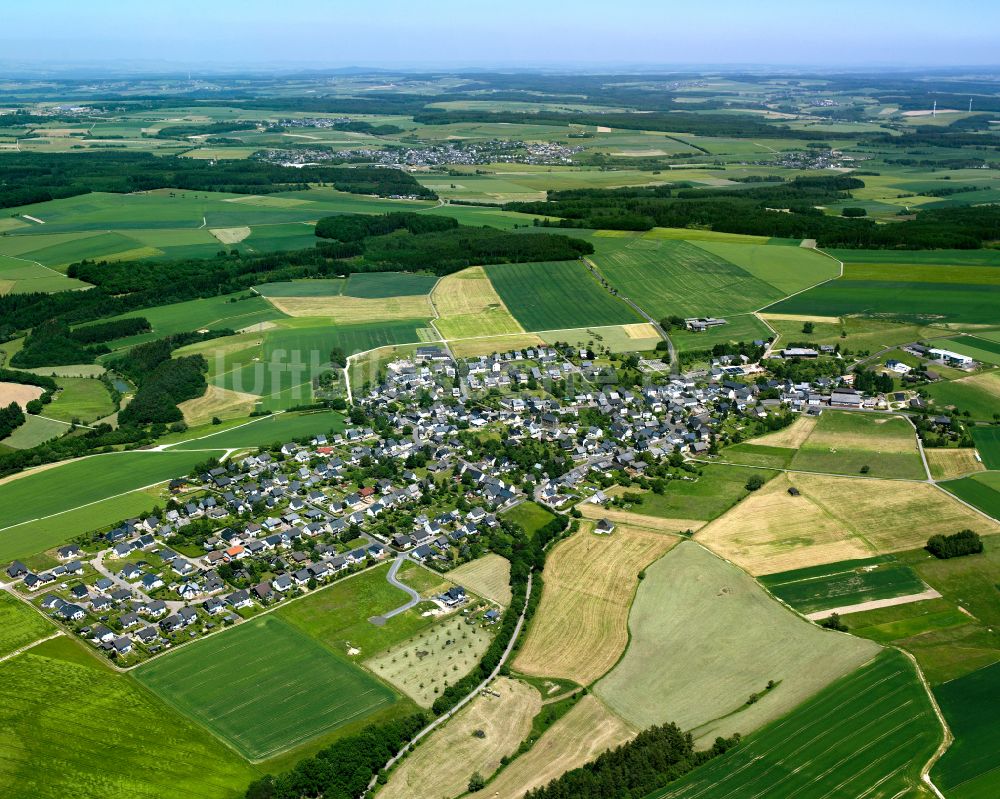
(964, 542)
(11, 418)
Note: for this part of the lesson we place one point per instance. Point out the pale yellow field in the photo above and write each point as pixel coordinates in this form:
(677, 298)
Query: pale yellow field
(948, 463)
(348, 310)
(468, 306)
(230, 235)
(423, 666)
(791, 317)
(834, 518)
(18, 392)
(222, 402)
(657, 523)
(581, 626)
(441, 766)
(471, 347)
(488, 576)
(871, 437)
(793, 436)
(586, 731)
(640, 330)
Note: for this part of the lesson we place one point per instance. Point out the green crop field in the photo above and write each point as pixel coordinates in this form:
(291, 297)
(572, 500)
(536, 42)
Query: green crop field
(788, 269)
(981, 490)
(987, 441)
(946, 302)
(668, 276)
(704, 636)
(265, 430)
(555, 295)
(531, 516)
(846, 442)
(34, 431)
(57, 703)
(896, 623)
(29, 538)
(321, 287)
(970, 769)
(18, 276)
(19, 624)
(866, 735)
(265, 687)
(88, 480)
(711, 494)
(978, 394)
(376, 285)
(984, 257)
(849, 582)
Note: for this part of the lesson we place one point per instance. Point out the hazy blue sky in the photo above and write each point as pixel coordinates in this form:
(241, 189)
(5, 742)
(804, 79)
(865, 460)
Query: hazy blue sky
(512, 32)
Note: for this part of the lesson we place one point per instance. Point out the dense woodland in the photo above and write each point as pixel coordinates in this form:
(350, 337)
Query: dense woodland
(50, 343)
(965, 542)
(11, 418)
(40, 177)
(654, 758)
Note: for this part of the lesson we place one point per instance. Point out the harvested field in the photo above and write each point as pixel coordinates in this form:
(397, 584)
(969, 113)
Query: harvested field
(423, 666)
(441, 766)
(217, 402)
(948, 463)
(657, 523)
(230, 235)
(705, 636)
(833, 519)
(468, 305)
(578, 737)
(792, 437)
(488, 576)
(345, 310)
(471, 347)
(19, 393)
(581, 626)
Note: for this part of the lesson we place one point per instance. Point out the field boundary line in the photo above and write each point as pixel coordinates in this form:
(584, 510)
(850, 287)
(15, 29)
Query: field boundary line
(36, 263)
(26, 647)
(947, 737)
(969, 505)
(165, 447)
(808, 288)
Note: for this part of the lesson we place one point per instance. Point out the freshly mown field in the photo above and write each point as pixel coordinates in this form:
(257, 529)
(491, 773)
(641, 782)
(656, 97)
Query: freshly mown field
(19, 624)
(581, 626)
(950, 463)
(560, 294)
(338, 615)
(587, 730)
(792, 437)
(977, 394)
(441, 766)
(423, 666)
(944, 302)
(970, 769)
(842, 584)
(668, 276)
(846, 443)
(217, 403)
(834, 519)
(987, 441)
(347, 310)
(380, 285)
(488, 577)
(705, 636)
(530, 515)
(639, 337)
(57, 703)
(265, 430)
(264, 686)
(866, 735)
(981, 490)
(473, 347)
(468, 306)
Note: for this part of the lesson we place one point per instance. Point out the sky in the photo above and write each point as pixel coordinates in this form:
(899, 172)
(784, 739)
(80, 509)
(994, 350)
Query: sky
(511, 33)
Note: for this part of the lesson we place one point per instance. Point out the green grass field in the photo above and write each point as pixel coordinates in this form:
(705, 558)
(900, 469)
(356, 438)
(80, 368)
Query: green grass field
(970, 769)
(83, 398)
(377, 285)
(265, 687)
(704, 636)
(865, 735)
(983, 350)
(321, 287)
(979, 395)
(35, 431)
(556, 295)
(719, 487)
(19, 276)
(73, 727)
(841, 584)
(531, 516)
(758, 455)
(899, 622)
(903, 300)
(788, 269)
(265, 430)
(740, 327)
(846, 442)
(677, 277)
(987, 441)
(981, 490)
(19, 624)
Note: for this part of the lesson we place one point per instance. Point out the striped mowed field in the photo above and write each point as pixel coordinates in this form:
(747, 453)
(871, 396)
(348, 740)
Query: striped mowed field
(264, 687)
